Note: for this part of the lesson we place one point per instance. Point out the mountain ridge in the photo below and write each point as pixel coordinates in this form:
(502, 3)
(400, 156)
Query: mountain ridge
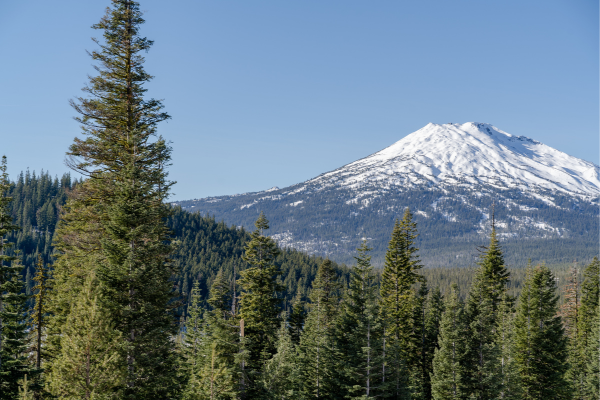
(448, 175)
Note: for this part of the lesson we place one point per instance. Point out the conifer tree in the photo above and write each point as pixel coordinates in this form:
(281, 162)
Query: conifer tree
(588, 340)
(38, 325)
(570, 315)
(540, 343)
(296, 319)
(592, 377)
(13, 336)
(280, 373)
(419, 372)
(448, 376)
(194, 329)
(489, 285)
(433, 317)
(359, 331)
(318, 356)
(509, 377)
(89, 365)
(219, 352)
(120, 211)
(259, 303)
(397, 303)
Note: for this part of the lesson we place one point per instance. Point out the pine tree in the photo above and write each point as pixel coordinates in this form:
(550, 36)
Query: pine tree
(359, 331)
(296, 319)
(433, 317)
(280, 373)
(570, 315)
(318, 356)
(120, 212)
(509, 378)
(194, 329)
(219, 352)
(489, 285)
(448, 376)
(397, 303)
(13, 335)
(259, 304)
(38, 324)
(592, 378)
(90, 361)
(419, 372)
(540, 343)
(588, 340)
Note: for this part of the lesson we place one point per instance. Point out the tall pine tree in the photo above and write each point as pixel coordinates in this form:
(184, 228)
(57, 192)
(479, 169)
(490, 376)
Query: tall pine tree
(448, 375)
(259, 303)
(397, 303)
(487, 290)
(318, 356)
(540, 342)
(119, 214)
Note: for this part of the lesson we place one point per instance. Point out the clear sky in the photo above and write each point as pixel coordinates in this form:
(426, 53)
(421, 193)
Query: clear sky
(271, 93)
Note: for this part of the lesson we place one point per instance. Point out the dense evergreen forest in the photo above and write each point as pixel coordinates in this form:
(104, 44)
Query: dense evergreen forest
(109, 292)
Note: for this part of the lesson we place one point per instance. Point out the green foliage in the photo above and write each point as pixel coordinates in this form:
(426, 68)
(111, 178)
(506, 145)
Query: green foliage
(359, 331)
(89, 365)
(484, 359)
(540, 344)
(259, 302)
(280, 378)
(318, 356)
(448, 380)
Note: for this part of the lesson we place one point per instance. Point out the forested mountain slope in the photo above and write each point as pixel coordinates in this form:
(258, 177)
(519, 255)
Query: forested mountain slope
(546, 202)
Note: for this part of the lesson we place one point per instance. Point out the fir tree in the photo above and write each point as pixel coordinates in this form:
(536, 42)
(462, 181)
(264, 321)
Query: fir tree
(296, 319)
(194, 330)
(489, 285)
(359, 331)
(433, 317)
(259, 304)
(509, 377)
(37, 323)
(448, 376)
(122, 206)
(588, 340)
(570, 315)
(397, 303)
(89, 365)
(318, 356)
(592, 378)
(13, 336)
(540, 343)
(280, 373)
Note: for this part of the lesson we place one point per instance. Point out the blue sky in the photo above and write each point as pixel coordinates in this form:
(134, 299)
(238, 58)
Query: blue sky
(271, 93)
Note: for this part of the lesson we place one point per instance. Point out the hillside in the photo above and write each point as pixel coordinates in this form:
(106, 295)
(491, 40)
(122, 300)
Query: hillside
(546, 202)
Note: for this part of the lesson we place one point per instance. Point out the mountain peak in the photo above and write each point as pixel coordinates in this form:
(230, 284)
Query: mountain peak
(466, 154)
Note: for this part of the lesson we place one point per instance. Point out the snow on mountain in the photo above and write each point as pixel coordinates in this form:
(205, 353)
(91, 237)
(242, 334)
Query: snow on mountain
(464, 155)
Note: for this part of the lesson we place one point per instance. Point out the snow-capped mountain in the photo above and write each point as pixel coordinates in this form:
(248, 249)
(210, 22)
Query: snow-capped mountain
(448, 175)
(468, 154)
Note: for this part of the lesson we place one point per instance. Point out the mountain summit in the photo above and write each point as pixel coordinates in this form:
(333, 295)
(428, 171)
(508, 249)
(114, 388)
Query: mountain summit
(546, 202)
(468, 154)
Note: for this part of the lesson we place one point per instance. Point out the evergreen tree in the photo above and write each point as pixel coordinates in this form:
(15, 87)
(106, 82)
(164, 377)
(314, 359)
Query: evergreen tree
(433, 317)
(359, 331)
(296, 319)
(194, 329)
(588, 340)
(509, 377)
(13, 336)
(419, 372)
(318, 356)
(592, 378)
(540, 343)
(37, 323)
(489, 285)
(217, 371)
(397, 303)
(259, 304)
(89, 365)
(448, 376)
(280, 373)
(122, 208)
(570, 315)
